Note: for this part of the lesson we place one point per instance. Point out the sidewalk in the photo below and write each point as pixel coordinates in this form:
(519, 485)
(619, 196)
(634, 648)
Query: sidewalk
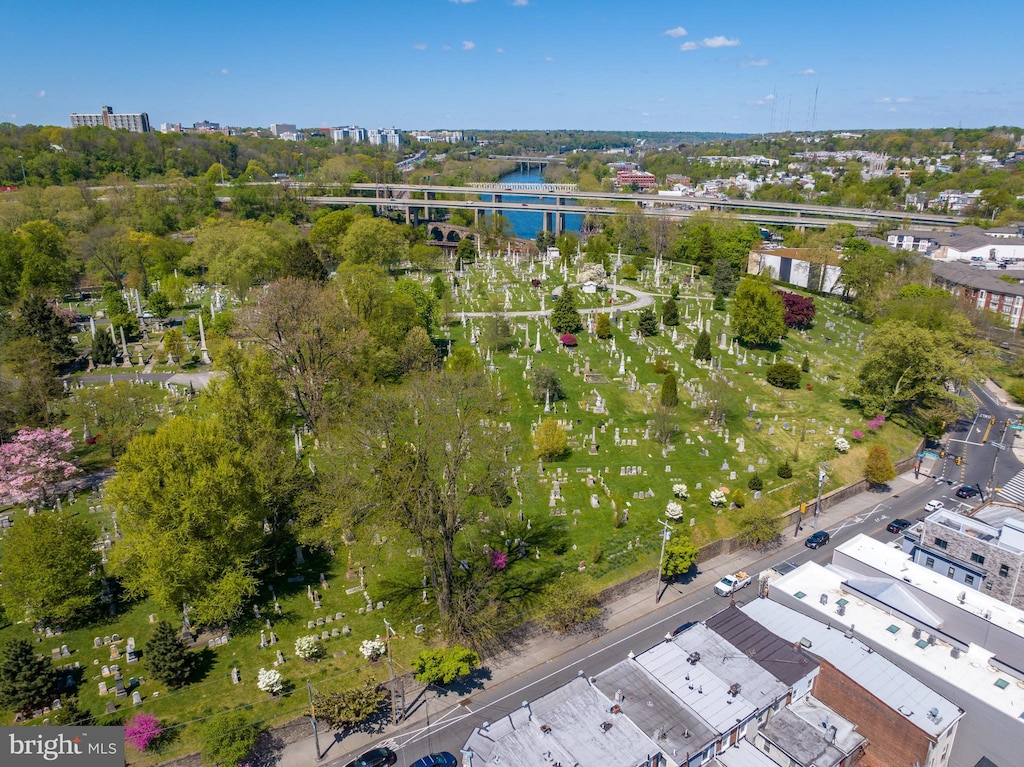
(633, 606)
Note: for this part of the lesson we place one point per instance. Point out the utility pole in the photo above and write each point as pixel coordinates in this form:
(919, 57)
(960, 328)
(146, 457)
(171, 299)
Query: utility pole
(822, 468)
(390, 634)
(312, 718)
(666, 534)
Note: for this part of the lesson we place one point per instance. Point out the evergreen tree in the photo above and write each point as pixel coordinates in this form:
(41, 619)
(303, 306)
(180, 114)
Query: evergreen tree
(166, 656)
(300, 260)
(565, 317)
(723, 279)
(647, 322)
(26, 682)
(670, 313)
(785, 471)
(718, 304)
(702, 349)
(805, 365)
(103, 348)
(603, 327)
(669, 391)
(879, 469)
(35, 317)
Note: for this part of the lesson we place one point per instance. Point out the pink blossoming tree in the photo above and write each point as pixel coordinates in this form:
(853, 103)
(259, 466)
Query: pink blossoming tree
(32, 462)
(141, 730)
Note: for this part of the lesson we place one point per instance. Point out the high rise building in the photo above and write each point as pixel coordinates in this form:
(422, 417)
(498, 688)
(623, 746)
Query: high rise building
(135, 123)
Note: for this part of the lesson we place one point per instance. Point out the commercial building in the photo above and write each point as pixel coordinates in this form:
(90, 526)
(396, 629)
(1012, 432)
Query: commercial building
(964, 646)
(982, 289)
(965, 243)
(134, 123)
(803, 267)
(384, 136)
(278, 128)
(638, 178)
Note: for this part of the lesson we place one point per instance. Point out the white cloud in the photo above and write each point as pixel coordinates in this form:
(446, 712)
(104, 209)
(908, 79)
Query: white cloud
(893, 109)
(519, 3)
(223, 71)
(756, 63)
(446, 47)
(41, 95)
(500, 50)
(904, 100)
(689, 46)
(419, 46)
(468, 45)
(676, 32)
(807, 72)
(885, 100)
(462, 2)
(719, 41)
(549, 58)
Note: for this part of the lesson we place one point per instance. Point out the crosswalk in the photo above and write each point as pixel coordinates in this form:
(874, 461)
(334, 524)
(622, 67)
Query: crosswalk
(1014, 489)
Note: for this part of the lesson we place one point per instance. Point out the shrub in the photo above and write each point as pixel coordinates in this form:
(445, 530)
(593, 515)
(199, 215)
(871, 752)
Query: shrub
(444, 665)
(679, 490)
(674, 510)
(550, 441)
(309, 647)
(228, 739)
(805, 364)
(372, 649)
(719, 303)
(785, 471)
(755, 483)
(669, 391)
(572, 604)
(717, 498)
(783, 375)
(738, 498)
(269, 680)
(842, 445)
(661, 365)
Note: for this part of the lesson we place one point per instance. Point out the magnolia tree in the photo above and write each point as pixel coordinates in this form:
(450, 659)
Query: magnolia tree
(372, 649)
(842, 445)
(679, 490)
(32, 462)
(269, 680)
(674, 510)
(308, 648)
(717, 498)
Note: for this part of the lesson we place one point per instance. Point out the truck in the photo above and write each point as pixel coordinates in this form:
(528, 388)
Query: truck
(730, 584)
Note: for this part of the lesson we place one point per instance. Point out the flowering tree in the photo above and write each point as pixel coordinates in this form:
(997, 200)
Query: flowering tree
(372, 649)
(308, 648)
(717, 498)
(857, 434)
(674, 510)
(842, 445)
(798, 311)
(141, 730)
(269, 680)
(679, 490)
(32, 461)
(876, 423)
(499, 560)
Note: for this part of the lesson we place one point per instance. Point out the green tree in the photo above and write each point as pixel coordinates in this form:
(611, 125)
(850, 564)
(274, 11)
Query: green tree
(550, 441)
(328, 232)
(785, 471)
(191, 519)
(783, 375)
(758, 526)
(670, 313)
(718, 303)
(118, 412)
(571, 604)
(647, 322)
(300, 260)
(374, 241)
(238, 253)
(603, 325)
(31, 365)
(545, 386)
(723, 278)
(757, 313)
(755, 483)
(50, 570)
(44, 256)
(805, 364)
(159, 305)
(35, 317)
(26, 681)
(174, 346)
(702, 348)
(680, 556)
(104, 350)
(878, 468)
(462, 360)
(167, 658)
(349, 708)
(738, 498)
(444, 665)
(669, 391)
(227, 739)
(565, 317)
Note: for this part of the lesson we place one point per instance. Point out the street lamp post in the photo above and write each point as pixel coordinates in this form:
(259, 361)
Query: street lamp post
(312, 718)
(822, 468)
(666, 534)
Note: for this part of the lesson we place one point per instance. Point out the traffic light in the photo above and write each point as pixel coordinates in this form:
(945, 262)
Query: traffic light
(942, 454)
(992, 419)
(803, 507)
(958, 460)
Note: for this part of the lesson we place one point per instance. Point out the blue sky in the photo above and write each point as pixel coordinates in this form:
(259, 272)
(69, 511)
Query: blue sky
(605, 64)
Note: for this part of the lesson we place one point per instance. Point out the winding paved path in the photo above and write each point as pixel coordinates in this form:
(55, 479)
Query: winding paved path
(640, 300)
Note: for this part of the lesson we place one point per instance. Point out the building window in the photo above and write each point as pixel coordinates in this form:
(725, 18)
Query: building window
(951, 572)
(941, 543)
(969, 580)
(1004, 570)
(929, 562)
(988, 586)
(978, 558)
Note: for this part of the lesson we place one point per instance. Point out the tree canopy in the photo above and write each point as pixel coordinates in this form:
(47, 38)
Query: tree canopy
(757, 313)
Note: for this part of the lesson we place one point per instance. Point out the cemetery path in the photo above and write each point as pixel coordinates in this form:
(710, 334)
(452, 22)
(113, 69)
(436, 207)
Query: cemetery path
(641, 299)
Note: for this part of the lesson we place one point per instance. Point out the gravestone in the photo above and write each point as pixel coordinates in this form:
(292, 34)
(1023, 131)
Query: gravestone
(235, 677)
(136, 698)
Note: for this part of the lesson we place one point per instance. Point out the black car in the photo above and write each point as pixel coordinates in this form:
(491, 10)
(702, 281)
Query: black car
(898, 525)
(817, 540)
(966, 492)
(378, 757)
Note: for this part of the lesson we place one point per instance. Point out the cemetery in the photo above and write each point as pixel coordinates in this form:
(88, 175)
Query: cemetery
(629, 464)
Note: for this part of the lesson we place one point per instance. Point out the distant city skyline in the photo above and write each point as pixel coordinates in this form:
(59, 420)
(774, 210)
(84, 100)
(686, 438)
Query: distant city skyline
(503, 64)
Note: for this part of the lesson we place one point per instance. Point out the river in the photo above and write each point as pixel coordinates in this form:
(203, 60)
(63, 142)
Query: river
(526, 223)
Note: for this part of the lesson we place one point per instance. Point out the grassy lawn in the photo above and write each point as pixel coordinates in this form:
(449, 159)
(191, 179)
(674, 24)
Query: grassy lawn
(798, 426)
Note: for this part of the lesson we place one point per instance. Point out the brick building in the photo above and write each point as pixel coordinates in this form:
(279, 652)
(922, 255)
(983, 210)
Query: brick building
(639, 178)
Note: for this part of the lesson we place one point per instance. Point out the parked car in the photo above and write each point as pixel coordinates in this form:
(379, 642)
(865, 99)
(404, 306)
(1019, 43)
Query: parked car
(444, 759)
(378, 757)
(898, 525)
(934, 505)
(966, 492)
(817, 540)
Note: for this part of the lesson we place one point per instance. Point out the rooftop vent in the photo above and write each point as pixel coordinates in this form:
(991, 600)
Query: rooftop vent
(616, 709)
(823, 599)
(734, 689)
(546, 729)
(932, 713)
(955, 652)
(605, 726)
(841, 610)
(693, 658)
(916, 633)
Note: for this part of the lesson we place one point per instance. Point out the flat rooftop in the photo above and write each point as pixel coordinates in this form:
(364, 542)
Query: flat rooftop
(971, 672)
(802, 730)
